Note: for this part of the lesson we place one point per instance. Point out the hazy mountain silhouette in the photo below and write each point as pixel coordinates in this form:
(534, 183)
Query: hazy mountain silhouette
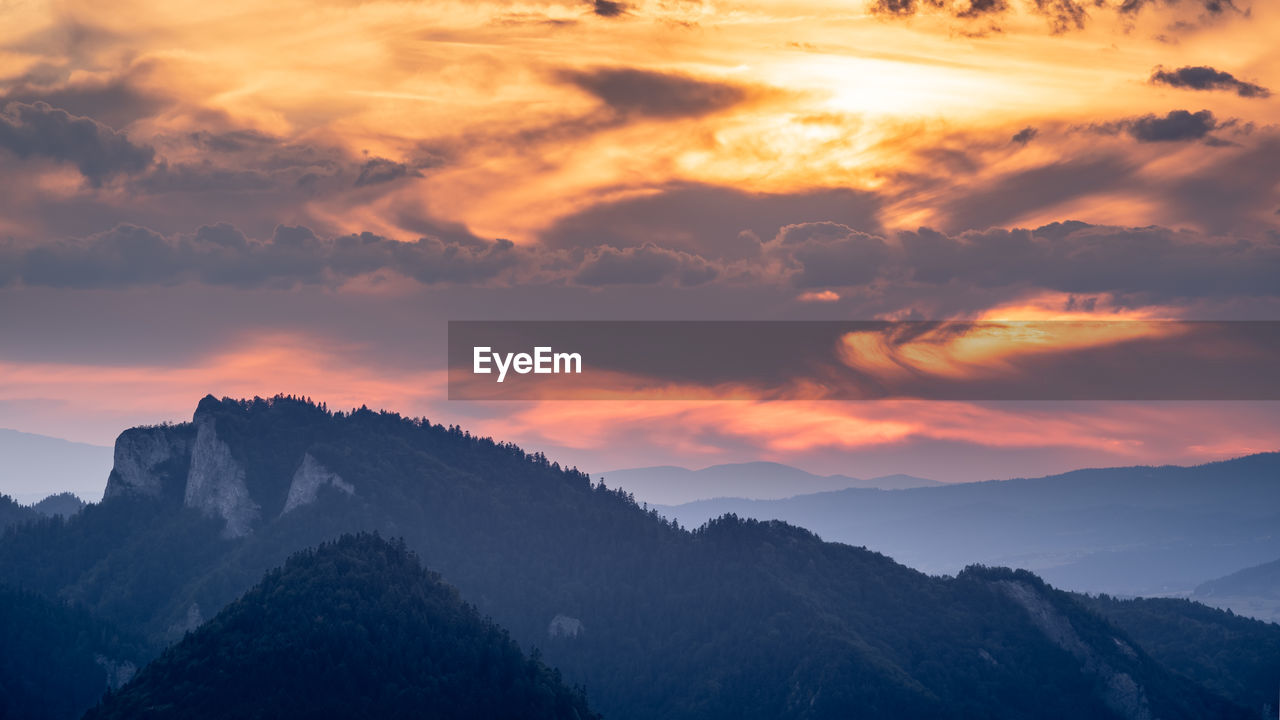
(34, 466)
(738, 619)
(1253, 591)
(669, 484)
(63, 503)
(353, 629)
(1127, 531)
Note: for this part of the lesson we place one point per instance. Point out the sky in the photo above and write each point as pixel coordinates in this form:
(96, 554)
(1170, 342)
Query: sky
(295, 197)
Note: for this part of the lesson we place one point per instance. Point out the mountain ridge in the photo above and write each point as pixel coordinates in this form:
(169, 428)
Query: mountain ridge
(736, 619)
(1127, 531)
(669, 484)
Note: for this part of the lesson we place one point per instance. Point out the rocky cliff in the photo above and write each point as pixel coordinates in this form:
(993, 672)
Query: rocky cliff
(194, 465)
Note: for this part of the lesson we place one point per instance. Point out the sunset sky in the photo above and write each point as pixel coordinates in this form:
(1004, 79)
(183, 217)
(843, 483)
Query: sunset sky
(294, 197)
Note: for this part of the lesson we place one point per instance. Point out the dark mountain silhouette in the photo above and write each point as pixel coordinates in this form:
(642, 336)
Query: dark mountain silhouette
(353, 629)
(737, 619)
(1128, 531)
(61, 504)
(56, 659)
(668, 484)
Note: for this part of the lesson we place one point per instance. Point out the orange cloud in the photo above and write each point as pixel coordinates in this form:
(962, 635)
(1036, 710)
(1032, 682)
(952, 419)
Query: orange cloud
(986, 349)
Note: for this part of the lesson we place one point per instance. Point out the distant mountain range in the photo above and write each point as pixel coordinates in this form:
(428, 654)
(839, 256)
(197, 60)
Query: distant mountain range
(33, 467)
(737, 619)
(1126, 531)
(671, 485)
(1253, 591)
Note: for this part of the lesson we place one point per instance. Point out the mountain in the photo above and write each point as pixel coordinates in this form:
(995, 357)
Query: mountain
(1235, 656)
(353, 629)
(1254, 591)
(56, 659)
(669, 485)
(1124, 531)
(64, 503)
(33, 466)
(736, 619)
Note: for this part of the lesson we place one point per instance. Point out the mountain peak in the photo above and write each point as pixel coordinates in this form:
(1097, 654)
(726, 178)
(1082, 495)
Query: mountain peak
(364, 631)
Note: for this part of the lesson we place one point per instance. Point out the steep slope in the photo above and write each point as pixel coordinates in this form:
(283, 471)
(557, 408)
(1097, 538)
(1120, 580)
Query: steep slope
(738, 619)
(1235, 656)
(353, 629)
(668, 485)
(55, 659)
(1132, 531)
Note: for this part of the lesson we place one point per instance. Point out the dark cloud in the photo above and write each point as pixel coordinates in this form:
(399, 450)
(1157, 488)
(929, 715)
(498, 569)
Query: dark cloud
(1138, 265)
(1213, 7)
(1024, 136)
(116, 102)
(903, 8)
(978, 8)
(644, 265)
(1008, 198)
(1063, 15)
(1157, 263)
(233, 141)
(1207, 78)
(967, 10)
(1176, 126)
(825, 254)
(100, 153)
(608, 8)
(708, 220)
(380, 170)
(654, 94)
(202, 177)
(221, 254)
(900, 8)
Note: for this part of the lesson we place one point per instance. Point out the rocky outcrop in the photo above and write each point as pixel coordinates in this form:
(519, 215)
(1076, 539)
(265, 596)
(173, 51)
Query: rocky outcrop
(1123, 694)
(564, 626)
(146, 459)
(216, 481)
(118, 672)
(307, 481)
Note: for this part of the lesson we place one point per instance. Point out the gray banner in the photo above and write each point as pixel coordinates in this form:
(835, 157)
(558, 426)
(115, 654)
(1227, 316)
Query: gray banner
(836, 360)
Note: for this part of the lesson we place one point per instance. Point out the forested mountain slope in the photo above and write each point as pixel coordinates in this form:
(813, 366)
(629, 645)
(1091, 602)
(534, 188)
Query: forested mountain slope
(353, 629)
(738, 619)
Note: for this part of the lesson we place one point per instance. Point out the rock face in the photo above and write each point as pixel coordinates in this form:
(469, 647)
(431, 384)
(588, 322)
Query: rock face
(118, 672)
(191, 465)
(141, 455)
(216, 484)
(564, 626)
(1123, 694)
(307, 481)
